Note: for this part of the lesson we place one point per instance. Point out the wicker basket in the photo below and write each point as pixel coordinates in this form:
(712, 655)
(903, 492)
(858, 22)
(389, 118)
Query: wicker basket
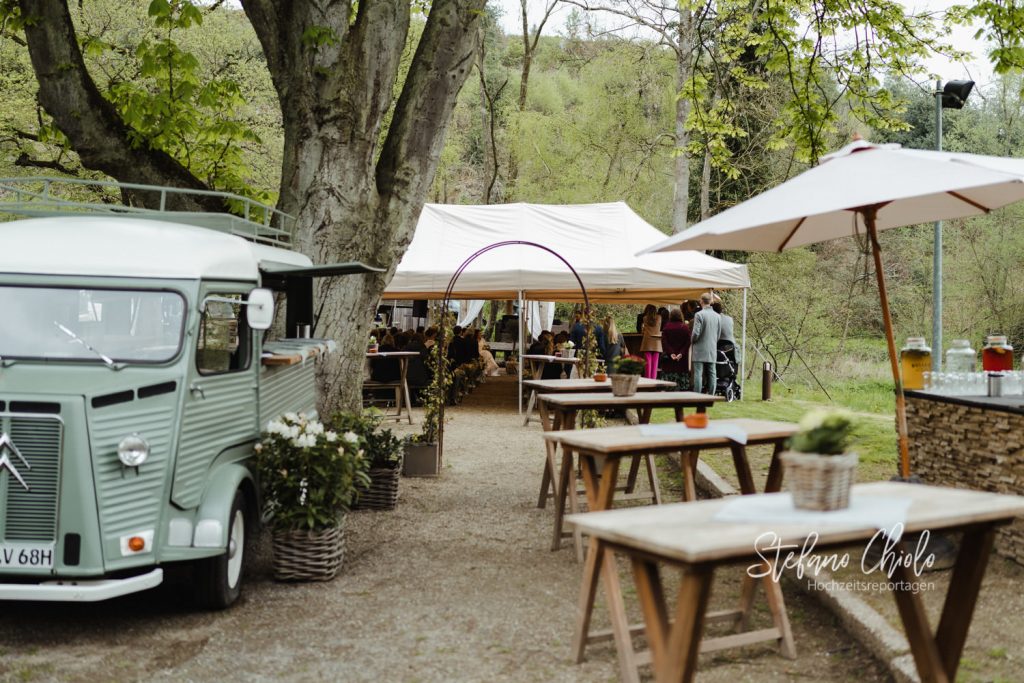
(820, 482)
(383, 491)
(304, 555)
(624, 385)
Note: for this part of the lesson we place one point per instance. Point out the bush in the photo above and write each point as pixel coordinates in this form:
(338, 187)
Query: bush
(823, 431)
(380, 446)
(308, 474)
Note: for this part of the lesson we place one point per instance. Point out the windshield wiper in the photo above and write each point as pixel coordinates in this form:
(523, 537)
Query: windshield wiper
(106, 359)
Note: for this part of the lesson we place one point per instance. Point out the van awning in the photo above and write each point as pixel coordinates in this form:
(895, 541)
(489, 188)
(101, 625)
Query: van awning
(326, 270)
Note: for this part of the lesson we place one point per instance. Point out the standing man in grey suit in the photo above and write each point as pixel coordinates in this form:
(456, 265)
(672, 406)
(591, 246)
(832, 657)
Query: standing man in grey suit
(727, 324)
(707, 327)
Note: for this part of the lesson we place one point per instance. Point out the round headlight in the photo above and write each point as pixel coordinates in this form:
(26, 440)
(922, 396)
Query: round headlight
(133, 450)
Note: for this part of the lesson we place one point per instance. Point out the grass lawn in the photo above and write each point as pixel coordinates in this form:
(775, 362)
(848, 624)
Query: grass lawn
(870, 399)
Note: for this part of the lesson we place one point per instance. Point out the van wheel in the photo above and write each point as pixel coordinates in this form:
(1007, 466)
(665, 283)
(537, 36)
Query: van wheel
(219, 579)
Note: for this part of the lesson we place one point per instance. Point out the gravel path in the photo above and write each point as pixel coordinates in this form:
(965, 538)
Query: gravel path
(457, 584)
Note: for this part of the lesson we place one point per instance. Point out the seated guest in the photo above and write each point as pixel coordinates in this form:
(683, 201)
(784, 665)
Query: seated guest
(402, 340)
(386, 369)
(470, 349)
(454, 346)
(418, 375)
(430, 337)
(675, 346)
(490, 365)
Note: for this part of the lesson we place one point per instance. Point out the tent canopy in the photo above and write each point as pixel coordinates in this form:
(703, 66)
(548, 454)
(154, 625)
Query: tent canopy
(599, 240)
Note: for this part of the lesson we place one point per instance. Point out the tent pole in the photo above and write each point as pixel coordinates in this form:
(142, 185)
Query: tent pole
(522, 321)
(901, 408)
(743, 351)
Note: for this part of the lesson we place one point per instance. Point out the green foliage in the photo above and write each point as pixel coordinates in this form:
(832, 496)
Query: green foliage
(627, 365)
(380, 445)
(435, 394)
(826, 432)
(309, 474)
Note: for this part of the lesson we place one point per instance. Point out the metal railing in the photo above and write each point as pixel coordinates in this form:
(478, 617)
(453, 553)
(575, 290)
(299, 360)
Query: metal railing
(40, 196)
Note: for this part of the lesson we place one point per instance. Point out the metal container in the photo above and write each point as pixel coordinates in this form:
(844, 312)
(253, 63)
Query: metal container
(995, 384)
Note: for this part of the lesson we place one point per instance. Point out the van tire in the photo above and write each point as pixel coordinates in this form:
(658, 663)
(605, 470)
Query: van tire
(219, 579)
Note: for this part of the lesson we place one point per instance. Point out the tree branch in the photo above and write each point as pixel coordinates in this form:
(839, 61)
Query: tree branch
(93, 126)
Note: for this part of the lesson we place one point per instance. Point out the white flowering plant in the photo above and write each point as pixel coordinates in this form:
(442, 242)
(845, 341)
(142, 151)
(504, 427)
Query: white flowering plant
(309, 473)
(824, 431)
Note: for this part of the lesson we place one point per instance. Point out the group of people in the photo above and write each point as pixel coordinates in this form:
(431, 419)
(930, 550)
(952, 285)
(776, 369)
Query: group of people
(681, 345)
(466, 345)
(609, 342)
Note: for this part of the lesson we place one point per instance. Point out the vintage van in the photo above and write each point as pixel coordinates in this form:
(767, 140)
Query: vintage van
(134, 379)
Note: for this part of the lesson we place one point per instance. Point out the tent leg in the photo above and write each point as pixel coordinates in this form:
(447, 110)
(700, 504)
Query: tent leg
(901, 408)
(522, 316)
(743, 350)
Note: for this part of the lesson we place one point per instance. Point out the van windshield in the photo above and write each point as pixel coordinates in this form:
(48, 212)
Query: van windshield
(63, 323)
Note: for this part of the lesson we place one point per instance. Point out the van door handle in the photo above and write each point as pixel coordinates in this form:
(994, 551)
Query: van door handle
(196, 388)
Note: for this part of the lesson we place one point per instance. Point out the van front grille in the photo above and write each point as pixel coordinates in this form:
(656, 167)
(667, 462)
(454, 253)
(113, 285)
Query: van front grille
(31, 514)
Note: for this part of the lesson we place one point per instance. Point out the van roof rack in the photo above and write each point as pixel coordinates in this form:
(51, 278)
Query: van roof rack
(43, 196)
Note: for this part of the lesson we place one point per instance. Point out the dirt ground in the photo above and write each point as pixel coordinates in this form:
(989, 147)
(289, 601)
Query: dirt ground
(457, 584)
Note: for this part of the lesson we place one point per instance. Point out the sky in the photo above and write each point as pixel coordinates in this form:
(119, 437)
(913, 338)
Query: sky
(977, 69)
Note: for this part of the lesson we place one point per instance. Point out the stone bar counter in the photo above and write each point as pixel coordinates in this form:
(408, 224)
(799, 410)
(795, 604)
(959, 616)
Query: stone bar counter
(974, 442)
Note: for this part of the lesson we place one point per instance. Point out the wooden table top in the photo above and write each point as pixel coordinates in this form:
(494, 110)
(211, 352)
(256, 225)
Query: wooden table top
(585, 384)
(605, 399)
(550, 359)
(613, 440)
(688, 532)
(393, 354)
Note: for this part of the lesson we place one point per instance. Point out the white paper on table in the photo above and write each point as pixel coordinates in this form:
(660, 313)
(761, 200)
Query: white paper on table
(887, 513)
(729, 431)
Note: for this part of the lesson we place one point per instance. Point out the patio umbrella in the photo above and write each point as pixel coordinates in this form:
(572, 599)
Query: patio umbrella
(860, 190)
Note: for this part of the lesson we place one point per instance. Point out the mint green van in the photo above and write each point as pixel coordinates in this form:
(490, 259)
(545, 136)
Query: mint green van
(136, 370)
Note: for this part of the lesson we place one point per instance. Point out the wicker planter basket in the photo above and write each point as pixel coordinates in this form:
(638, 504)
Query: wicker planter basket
(383, 491)
(304, 555)
(820, 482)
(624, 385)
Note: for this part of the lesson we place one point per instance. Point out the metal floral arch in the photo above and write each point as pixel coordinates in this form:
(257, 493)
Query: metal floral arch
(442, 333)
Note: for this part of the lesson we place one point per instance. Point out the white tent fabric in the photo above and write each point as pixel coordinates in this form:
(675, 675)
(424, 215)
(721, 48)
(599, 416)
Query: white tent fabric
(471, 311)
(599, 240)
(541, 317)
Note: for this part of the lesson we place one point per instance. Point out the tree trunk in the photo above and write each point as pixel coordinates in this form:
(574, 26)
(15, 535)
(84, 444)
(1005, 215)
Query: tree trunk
(684, 70)
(705, 186)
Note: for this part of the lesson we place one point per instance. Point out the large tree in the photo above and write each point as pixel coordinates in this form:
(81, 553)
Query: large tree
(360, 150)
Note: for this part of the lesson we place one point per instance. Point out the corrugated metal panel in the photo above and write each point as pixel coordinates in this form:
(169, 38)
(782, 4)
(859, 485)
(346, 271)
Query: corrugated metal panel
(225, 417)
(129, 499)
(32, 514)
(287, 389)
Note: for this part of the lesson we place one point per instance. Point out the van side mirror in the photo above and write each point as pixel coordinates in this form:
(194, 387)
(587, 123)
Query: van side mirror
(260, 310)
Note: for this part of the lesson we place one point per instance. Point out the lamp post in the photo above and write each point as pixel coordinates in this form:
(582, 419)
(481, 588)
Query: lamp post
(952, 96)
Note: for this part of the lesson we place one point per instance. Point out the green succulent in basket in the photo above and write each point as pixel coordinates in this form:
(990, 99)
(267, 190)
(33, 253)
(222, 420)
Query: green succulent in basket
(628, 365)
(824, 431)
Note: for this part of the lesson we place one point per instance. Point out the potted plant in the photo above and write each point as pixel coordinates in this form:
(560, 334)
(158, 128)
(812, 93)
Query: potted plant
(422, 451)
(819, 468)
(600, 375)
(625, 374)
(372, 346)
(309, 476)
(569, 349)
(383, 450)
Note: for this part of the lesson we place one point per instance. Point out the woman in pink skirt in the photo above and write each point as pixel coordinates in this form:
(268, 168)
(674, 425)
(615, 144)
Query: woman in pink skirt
(651, 344)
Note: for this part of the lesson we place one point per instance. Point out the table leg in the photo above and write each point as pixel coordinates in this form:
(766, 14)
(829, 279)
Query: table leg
(654, 606)
(774, 482)
(549, 422)
(683, 644)
(529, 407)
(565, 481)
(405, 387)
(938, 658)
(643, 417)
(688, 463)
(601, 563)
(739, 460)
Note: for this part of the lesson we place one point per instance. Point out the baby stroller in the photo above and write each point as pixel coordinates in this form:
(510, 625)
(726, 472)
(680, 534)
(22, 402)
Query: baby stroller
(727, 371)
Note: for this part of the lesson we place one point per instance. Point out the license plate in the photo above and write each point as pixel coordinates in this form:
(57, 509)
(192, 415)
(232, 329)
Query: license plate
(15, 556)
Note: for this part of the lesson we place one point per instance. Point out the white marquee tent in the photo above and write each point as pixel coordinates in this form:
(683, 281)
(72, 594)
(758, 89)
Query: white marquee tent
(600, 241)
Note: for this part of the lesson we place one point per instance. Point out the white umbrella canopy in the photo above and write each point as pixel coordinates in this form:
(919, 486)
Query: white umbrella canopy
(860, 190)
(827, 202)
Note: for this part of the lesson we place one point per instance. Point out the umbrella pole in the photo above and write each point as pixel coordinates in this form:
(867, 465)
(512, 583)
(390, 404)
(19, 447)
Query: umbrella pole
(901, 408)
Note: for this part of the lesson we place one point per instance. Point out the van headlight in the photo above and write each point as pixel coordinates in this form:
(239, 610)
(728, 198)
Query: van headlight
(133, 450)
